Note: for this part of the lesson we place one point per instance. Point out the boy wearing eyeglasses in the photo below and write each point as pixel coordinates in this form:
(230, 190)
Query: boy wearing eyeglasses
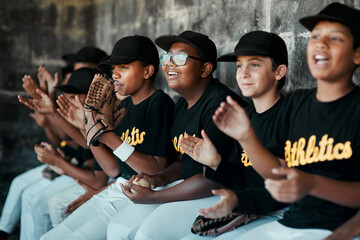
(188, 65)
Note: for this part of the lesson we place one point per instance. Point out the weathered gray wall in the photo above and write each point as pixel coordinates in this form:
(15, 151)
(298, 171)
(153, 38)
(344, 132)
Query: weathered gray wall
(35, 32)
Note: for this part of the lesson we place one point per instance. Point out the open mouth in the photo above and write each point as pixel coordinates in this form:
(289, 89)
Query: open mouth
(172, 74)
(321, 59)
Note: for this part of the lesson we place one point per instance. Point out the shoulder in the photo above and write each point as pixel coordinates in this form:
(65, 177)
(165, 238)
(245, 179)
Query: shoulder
(217, 92)
(160, 100)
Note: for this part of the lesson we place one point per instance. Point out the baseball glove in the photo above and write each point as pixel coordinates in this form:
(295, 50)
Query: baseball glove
(216, 226)
(99, 108)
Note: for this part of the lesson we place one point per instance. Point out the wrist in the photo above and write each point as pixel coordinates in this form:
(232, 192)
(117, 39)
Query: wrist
(312, 181)
(216, 162)
(246, 136)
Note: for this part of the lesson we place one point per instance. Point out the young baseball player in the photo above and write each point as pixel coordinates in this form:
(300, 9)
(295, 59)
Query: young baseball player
(141, 142)
(188, 64)
(261, 61)
(322, 136)
(35, 208)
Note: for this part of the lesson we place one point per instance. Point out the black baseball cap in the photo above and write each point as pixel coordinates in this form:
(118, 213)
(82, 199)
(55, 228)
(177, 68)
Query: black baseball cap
(133, 48)
(79, 81)
(197, 40)
(86, 54)
(337, 12)
(259, 43)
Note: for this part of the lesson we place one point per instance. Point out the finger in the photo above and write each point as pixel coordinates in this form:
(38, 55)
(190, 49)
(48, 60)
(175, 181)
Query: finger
(62, 114)
(61, 152)
(47, 145)
(79, 103)
(187, 149)
(126, 190)
(56, 79)
(73, 206)
(133, 177)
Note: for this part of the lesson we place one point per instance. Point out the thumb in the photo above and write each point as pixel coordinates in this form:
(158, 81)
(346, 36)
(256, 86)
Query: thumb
(41, 93)
(281, 171)
(85, 186)
(32, 115)
(205, 136)
(218, 192)
(233, 103)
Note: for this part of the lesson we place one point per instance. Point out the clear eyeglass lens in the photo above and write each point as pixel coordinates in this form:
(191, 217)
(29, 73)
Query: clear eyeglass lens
(179, 59)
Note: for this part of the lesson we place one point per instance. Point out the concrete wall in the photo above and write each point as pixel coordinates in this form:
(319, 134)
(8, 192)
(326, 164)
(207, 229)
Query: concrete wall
(35, 32)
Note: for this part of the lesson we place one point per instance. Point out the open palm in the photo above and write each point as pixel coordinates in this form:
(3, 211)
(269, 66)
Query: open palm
(231, 119)
(72, 112)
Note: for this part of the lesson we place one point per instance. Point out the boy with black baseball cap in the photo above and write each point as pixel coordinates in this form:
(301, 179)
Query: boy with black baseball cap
(261, 60)
(85, 57)
(321, 135)
(188, 66)
(140, 143)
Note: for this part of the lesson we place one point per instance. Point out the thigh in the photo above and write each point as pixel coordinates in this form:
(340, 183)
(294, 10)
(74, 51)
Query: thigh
(275, 230)
(58, 203)
(39, 202)
(173, 220)
(124, 224)
(90, 219)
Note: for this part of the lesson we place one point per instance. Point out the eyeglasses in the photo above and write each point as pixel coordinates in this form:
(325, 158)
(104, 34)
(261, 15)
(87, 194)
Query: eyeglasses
(178, 58)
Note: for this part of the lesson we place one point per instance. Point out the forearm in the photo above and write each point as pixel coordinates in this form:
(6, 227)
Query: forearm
(52, 137)
(106, 160)
(340, 192)
(260, 157)
(193, 188)
(140, 162)
(85, 175)
(55, 128)
(70, 130)
(172, 172)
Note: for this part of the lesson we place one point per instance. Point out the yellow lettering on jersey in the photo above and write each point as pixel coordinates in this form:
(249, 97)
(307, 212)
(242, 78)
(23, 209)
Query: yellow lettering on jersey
(245, 159)
(177, 143)
(134, 138)
(295, 154)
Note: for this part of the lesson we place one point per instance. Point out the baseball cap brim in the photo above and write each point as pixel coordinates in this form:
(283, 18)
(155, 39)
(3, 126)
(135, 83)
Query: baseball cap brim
(230, 57)
(310, 21)
(69, 89)
(116, 60)
(246, 51)
(165, 42)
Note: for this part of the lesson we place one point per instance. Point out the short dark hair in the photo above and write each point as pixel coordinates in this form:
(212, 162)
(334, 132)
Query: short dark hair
(156, 69)
(274, 66)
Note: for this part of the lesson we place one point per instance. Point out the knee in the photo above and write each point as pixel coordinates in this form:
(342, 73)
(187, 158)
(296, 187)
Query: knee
(38, 204)
(18, 183)
(53, 202)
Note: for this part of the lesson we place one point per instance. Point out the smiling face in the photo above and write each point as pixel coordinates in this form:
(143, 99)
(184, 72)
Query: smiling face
(330, 52)
(255, 76)
(128, 78)
(181, 78)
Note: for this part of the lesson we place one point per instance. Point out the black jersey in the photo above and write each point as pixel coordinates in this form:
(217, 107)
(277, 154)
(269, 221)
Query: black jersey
(146, 126)
(323, 139)
(238, 173)
(198, 117)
